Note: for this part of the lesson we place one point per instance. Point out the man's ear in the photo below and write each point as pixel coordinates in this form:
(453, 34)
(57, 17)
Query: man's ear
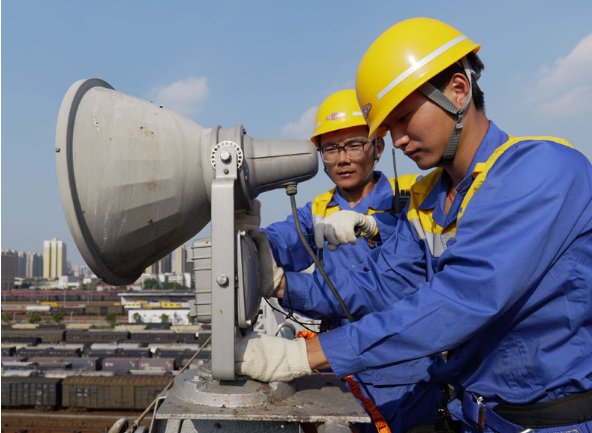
(458, 89)
(380, 145)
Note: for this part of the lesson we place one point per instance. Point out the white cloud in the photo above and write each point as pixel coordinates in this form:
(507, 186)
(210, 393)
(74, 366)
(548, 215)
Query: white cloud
(575, 100)
(566, 85)
(185, 96)
(304, 127)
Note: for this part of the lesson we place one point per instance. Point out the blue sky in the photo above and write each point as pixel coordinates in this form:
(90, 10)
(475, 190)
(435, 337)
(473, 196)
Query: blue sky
(266, 65)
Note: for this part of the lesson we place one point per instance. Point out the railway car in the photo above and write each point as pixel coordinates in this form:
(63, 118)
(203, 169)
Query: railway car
(63, 351)
(84, 363)
(178, 355)
(121, 366)
(154, 336)
(101, 353)
(42, 367)
(135, 352)
(29, 351)
(188, 337)
(44, 335)
(55, 352)
(13, 359)
(101, 310)
(38, 308)
(39, 392)
(18, 365)
(203, 336)
(26, 336)
(117, 392)
(96, 336)
(203, 357)
(77, 310)
(157, 364)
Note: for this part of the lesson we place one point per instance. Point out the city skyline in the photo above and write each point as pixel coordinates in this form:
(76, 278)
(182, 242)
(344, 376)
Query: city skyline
(30, 265)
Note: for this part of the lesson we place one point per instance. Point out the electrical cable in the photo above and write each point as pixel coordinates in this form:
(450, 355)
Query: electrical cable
(289, 315)
(291, 190)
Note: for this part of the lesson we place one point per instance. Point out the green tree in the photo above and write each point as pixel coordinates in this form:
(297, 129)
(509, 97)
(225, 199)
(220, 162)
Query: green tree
(7, 318)
(57, 316)
(164, 318)
(137, 318)
(35, 318)
(191, 319)
(111, 318)
(150, 284)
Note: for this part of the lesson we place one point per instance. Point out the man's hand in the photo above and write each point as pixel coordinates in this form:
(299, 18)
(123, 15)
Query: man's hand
(341, 228)
(271, 359)
(248, 219)
(271, 274)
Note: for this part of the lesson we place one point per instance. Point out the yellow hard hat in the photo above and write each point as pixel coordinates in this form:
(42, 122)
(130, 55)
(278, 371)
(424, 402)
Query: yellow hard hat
(340, 110)
(403, 58)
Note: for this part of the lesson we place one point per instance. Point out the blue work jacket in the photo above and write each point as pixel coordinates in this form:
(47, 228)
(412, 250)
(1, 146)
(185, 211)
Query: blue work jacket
(291, 254)
(510, 290)
(402, 406)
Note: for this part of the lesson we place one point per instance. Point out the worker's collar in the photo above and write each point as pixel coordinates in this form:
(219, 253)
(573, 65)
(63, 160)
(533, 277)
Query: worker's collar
(494, 138)
(380, 198)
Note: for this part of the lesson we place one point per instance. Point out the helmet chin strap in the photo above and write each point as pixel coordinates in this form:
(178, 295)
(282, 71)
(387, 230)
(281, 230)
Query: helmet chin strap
(436, 96)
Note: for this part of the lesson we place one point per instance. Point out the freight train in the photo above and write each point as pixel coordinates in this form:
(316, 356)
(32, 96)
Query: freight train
(134, 393)
(36, 336)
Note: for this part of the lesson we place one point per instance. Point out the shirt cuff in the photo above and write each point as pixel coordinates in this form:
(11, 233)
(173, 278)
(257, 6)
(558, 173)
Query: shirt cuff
(340, 353)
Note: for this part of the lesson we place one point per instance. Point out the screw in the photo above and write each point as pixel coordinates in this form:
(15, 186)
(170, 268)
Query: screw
(222, 280)
(57, 149)
(225, 171)
(225, 156)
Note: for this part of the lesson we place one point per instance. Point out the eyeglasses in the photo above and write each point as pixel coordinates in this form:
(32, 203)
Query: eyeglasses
(354, 150)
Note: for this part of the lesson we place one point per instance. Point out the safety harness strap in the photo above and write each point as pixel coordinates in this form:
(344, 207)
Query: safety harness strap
(379, 420)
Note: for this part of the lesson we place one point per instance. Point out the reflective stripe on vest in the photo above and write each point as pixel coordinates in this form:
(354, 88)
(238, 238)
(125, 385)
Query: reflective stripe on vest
(422, 219)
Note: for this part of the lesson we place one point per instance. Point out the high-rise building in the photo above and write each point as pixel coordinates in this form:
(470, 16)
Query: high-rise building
(20, 264)
(166, 264)
(163, 266)
(34, 266)
(152, 269)
(180, 262)
(7, 273)
(54, 259)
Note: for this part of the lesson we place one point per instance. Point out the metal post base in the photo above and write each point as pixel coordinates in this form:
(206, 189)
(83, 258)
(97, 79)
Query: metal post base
(199, 387)
(197, 404)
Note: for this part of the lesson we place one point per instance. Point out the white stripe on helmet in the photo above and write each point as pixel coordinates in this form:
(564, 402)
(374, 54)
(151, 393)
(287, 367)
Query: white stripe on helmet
(420, 63)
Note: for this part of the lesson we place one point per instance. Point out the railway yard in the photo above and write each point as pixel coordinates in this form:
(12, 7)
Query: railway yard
(81, 375)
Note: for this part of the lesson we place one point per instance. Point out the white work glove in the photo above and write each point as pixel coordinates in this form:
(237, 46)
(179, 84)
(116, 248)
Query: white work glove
(248, 219)
(341, 228)
(271, 274)
(271, 359)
